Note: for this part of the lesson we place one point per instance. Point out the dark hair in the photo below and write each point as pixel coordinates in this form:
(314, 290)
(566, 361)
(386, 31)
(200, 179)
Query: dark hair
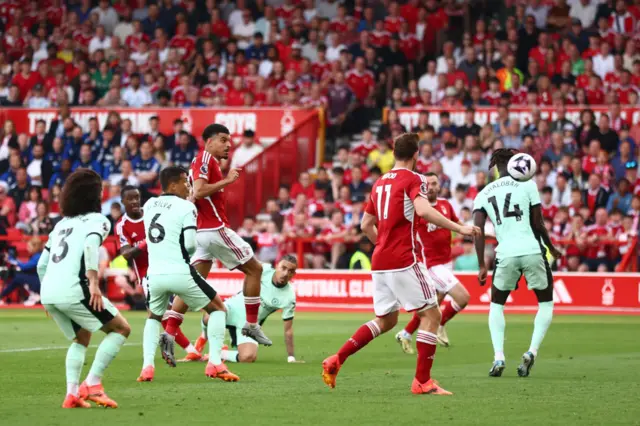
(375, 170)
(501, 157)
(81, 193)
(430, 174)
(547, 190)
(213, 129)
(405, 146)
(126, 189)
(290, 258)
(170, 175)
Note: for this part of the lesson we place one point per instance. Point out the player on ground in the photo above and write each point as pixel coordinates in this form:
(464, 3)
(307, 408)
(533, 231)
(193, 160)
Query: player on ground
(436, 251)
(132, 246)
(214, 238)
(399, 276)
(170, 224)
(276, 294)
(68, 271)
(514, 208)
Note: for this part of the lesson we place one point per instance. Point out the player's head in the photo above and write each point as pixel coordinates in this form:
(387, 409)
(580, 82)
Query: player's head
(405, 148)
(285, 270)
(174, 181)
(217, 140)
(500, 158)
(131, 199)
(81, 194)
(433, 186)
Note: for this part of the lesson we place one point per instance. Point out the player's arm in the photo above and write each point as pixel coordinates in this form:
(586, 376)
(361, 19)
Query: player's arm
(427, 212)
(189, 230)
(287, 318)
(537, 225)
(43, 262)
(479, 220)
(127, 250)
(201, 187)
(91, 263)
(368, 226)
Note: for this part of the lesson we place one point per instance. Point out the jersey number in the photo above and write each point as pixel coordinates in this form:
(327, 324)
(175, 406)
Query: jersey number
(63, 244)
(157, 227)
(516, 212)
(382, 214)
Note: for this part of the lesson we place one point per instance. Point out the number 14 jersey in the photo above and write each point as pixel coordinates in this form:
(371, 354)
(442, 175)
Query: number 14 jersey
(508, 204)
(166, 218)
(391, 202)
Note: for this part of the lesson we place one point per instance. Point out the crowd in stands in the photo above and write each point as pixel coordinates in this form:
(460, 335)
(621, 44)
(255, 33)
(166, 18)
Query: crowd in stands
(352, 58)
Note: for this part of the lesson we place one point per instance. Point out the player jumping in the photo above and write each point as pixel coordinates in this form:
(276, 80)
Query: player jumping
(436, 251)
(132, 246)
(170, 224)
(399, 276)
(514, 208)
(276, 294)
(68, 270)
(214, 237)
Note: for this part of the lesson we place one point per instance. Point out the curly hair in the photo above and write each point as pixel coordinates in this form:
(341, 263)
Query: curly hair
(81, 193)
(501, 157)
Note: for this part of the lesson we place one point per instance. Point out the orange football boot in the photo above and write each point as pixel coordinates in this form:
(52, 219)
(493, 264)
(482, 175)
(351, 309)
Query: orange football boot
(96, 394)
(431, 387)
(72, 401)
(330, 368)
(200, 343)
(220, 371)
(192, 357)
(146, 375)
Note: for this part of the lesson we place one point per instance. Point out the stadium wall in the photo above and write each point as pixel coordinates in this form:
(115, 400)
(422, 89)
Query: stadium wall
(350, 291)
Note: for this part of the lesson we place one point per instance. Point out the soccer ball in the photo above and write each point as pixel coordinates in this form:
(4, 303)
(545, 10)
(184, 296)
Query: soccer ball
(522, 167)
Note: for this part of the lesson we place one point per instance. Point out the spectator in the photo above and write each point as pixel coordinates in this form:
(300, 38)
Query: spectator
(467, 261)
(583, 12)
(357, 185)
(303, 186)
(561, 195)
(608, 137)
(42, 223)
(181, 155)
(60, 177)
(26, 274)
(594, 196)
(136, 95)
(21, 189)
(107, 16)
(100, 41)
(598, 238)
(114, 198)
(512, 138)
(125, 177)
(621, 199)
(382, 157)
(247, 151)
(146, 167)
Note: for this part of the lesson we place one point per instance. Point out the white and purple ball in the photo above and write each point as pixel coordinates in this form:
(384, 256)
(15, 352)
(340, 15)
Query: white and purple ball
(522, 167)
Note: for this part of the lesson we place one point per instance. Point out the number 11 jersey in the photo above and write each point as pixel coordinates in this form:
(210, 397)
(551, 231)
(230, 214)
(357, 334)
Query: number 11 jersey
(65, 279)
(166, 218)
(391, 202)
(508, 204)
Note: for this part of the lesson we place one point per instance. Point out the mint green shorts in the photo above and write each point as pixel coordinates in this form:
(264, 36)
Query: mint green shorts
(534, 267)
(71, 317)
(192, 288)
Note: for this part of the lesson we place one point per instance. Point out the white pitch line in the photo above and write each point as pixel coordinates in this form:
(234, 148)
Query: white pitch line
(50, 348)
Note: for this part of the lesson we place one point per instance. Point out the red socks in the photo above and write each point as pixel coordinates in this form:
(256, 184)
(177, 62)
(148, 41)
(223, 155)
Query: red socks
(359, 340)
(252, 306)
(413, 324)
(171, 323)
(449, 309)
(426, 344)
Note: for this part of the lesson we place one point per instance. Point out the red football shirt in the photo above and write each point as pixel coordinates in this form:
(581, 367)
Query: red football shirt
(360, 83)
(211, 209)
(391, 201)
(599, 248)
(184, 44)
(131, 233)
(548, 211)
(435, 241)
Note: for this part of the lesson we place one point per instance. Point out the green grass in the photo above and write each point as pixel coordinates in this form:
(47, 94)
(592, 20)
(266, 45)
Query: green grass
(588, 372)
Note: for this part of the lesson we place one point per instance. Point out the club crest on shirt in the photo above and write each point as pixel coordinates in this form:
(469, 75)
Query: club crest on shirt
(204, 169)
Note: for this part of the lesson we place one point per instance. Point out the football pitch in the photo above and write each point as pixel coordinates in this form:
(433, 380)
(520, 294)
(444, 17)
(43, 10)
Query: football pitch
(587, 373)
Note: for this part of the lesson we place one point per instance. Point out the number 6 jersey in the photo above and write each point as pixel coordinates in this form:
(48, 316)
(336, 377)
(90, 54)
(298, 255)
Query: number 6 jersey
(508, 204)
(391, 202)
(166, 219)
(65, 278)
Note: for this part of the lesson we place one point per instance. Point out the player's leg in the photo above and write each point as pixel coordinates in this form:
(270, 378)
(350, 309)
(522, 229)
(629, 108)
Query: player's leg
(75, 355)
(386, 308)
(180, 338)
(446, 283)
(157, 300)
(236, 253)
(246, 348)
(506, 274)
(403, 337)
(540, 280)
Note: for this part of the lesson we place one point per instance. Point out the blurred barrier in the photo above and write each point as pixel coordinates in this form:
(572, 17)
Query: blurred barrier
(629, 262)
(347, 291)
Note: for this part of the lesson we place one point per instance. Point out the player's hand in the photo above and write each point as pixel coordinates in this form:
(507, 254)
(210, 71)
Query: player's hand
(96, 297)
(482, 275)
(233, 175)
(555, 252)
(471, 231)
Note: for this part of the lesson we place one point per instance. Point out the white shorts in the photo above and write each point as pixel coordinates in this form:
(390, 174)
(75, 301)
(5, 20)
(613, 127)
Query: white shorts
(443, 277)
(409, 289)
(222, 244)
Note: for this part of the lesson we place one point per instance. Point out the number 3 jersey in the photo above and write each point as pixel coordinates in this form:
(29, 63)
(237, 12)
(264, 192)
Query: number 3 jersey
(65, 278)
(391, 202)
(166, 218)
(508, 204)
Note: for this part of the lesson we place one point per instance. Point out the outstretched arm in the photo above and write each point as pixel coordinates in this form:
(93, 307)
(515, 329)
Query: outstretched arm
(427, 212)
(479, 219)
(202, 189)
